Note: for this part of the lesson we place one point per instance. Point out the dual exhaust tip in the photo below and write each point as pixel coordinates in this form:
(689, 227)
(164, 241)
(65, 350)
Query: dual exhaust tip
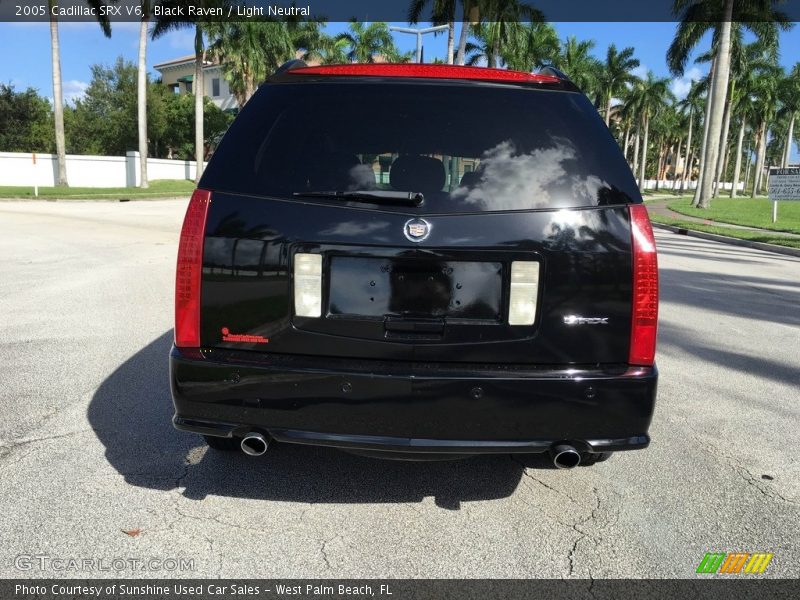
(564, 456)
(254, 444)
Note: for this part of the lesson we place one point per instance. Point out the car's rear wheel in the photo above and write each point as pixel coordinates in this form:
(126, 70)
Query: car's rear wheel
(230, 444)
(590, 458)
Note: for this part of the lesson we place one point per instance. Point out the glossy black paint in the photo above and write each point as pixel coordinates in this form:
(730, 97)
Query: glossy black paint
(421, 407)
(585, 269)
(413, 351)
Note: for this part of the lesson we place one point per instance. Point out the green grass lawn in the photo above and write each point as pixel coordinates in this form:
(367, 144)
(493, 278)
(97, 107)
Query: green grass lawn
(744, 211)
(741, 234)
(158, 189)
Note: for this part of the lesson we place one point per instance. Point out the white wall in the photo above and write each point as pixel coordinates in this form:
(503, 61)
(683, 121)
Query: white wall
(18, 168)
(669, 185)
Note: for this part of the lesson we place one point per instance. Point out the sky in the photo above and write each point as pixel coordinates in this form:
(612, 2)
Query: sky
(26, 50)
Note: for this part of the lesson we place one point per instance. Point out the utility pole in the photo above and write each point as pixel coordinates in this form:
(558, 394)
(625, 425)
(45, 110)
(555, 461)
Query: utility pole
(419, 33)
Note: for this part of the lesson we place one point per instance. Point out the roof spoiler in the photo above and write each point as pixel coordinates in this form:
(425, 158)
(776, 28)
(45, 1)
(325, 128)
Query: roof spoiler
(290, 65)
(551, 70)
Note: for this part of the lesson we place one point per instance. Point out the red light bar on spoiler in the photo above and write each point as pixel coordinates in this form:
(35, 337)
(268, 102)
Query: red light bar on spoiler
(425, 71)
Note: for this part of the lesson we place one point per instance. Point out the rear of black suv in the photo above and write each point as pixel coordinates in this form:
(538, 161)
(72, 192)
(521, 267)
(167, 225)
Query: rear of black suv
(399, 259)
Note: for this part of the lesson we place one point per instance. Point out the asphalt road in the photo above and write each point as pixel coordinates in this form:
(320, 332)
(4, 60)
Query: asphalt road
(87, 451)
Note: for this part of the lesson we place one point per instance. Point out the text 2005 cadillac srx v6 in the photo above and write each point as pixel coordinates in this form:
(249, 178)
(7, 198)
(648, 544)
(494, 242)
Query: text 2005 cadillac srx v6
(417, 261)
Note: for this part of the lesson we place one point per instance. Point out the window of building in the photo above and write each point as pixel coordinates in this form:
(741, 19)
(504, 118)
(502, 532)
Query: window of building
(215, 87)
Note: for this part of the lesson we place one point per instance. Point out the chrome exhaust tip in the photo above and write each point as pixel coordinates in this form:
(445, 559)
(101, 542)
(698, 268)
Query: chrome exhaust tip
(254, 444)
(565, 456)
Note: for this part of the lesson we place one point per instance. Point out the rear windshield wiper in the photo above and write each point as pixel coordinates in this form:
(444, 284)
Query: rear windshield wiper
(371, 196)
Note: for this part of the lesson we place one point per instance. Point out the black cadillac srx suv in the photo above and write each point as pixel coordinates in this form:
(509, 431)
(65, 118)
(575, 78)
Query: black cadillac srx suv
(417, 260)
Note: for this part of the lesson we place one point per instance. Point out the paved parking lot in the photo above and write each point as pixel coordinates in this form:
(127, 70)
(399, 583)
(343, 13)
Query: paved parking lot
(92, 468)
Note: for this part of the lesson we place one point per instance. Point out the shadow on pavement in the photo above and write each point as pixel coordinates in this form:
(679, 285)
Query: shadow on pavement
(131, 414)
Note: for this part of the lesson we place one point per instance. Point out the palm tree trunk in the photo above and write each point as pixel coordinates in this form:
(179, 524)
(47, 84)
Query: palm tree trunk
(199, 145)
(687, 164)
(788, 152)
(748, 163)
(719, 92)
(687, 167)
(737, 168)
(608, 110)
(760, 157)
(675, 163)
(726, 122)
(141, 105)
(627, 140)
(636, 148)
(462, 39)
(451, 31)
(58, 101)
(644, 152)
(704, 144)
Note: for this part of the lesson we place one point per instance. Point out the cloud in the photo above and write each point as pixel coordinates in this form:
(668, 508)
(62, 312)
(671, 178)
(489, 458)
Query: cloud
(640, 71)
(73, 90)
(680, 86)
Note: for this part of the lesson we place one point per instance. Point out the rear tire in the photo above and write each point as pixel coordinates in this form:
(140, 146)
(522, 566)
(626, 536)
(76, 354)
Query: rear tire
(590, 458)
(222, 444)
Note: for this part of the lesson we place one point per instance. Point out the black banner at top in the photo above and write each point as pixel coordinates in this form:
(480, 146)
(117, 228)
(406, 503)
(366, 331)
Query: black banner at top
(396, 10)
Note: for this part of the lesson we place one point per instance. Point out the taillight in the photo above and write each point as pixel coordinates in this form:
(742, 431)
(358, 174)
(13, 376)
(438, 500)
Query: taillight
(644, 319)
(188, 273)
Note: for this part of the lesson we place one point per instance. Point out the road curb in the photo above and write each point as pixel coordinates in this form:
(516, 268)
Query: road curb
(730, 240)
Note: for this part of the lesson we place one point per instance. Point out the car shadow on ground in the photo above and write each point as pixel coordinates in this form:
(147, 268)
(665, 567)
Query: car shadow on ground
(131, 414)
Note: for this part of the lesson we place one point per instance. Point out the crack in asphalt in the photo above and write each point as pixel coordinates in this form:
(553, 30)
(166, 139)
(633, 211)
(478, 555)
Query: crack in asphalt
(744, 473)
(584, 534)
(12, 444)
(772, 494)
(579, 526)
(323, 550)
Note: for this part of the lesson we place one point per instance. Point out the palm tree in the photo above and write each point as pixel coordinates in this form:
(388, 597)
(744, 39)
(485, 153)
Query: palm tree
(329, 51)
(496, 24)
(617, 76)
(166, 24)
(581, 67)
(790, 98)
(698, 17)
(744, 112)
(765, 102)
(693, 104)
(367, 41)
(470, 15)
(58, 94)
(249, 51)
(649, 96)
(444, 12)
(746, 59)
(532, 46)
(141, 93)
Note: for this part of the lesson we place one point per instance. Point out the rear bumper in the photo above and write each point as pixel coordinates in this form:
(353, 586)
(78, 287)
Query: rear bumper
(374, 405)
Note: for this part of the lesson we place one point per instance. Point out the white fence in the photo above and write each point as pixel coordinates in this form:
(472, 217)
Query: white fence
(669, 185)
(20, 168)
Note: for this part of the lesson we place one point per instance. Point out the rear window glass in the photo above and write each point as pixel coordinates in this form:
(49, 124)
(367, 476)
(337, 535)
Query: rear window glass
(467, 148)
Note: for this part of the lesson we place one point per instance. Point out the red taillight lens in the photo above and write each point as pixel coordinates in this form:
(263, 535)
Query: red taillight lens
(644, 319)
(189, 271)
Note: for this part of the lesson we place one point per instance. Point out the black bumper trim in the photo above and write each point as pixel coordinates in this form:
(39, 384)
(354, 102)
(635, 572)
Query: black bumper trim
(411, 445)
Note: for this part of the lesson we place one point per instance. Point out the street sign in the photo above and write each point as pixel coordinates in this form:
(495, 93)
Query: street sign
(784, 184)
